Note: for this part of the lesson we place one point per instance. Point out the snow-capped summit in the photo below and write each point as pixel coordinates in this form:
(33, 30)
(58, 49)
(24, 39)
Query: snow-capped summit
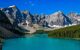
(58, 12)
(12, 6)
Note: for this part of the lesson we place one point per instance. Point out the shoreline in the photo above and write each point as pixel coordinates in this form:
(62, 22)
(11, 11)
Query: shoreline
(1, 43)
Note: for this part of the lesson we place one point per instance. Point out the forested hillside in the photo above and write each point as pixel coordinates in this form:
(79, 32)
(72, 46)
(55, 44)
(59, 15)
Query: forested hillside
(68, 32)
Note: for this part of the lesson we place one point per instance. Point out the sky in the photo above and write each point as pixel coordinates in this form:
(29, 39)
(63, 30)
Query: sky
(44, 6)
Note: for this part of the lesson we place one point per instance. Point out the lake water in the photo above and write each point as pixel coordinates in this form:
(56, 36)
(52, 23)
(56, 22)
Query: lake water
(40, 42)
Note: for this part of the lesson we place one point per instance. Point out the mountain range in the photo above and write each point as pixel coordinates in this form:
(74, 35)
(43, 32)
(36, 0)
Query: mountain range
(12, 18)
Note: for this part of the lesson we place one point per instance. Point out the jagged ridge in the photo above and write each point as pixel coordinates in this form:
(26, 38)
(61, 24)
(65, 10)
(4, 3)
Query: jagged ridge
(26, 22)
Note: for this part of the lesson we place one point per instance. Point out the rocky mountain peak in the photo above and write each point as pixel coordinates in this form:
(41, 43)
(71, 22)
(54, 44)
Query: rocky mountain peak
(1, 8)
(57, 13)
(25, 12)
(13, 6)
(72, 14)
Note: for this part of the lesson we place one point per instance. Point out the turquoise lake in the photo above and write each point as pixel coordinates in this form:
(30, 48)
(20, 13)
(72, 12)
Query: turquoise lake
(40, 42)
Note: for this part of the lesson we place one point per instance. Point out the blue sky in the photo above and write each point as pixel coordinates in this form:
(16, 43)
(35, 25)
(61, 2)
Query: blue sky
(44, 6)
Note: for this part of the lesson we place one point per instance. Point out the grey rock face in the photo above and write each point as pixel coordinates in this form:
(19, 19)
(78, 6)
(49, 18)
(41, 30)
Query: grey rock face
(13, 14)
(27, 16)
(58, 18)
(75, 17)
(43, 21)
(10, 18)
(6, 26)
(40, 20)
(34, 19)
(4, 21)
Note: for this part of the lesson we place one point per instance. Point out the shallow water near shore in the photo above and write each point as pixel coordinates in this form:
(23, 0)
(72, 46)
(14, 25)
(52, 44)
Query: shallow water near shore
(40, 42)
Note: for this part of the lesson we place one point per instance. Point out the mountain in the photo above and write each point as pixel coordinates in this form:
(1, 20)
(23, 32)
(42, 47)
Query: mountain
(58, 19)
(75, 17)
(40, 20)
(13, 14)
(6, 27)
(4, 21)
(23, 21)
(13, 18)
(34, 19)
(27, 16)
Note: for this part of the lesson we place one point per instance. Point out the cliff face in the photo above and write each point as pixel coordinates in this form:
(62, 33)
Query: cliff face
(13, 14)
(9, 19)
(4, 21)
